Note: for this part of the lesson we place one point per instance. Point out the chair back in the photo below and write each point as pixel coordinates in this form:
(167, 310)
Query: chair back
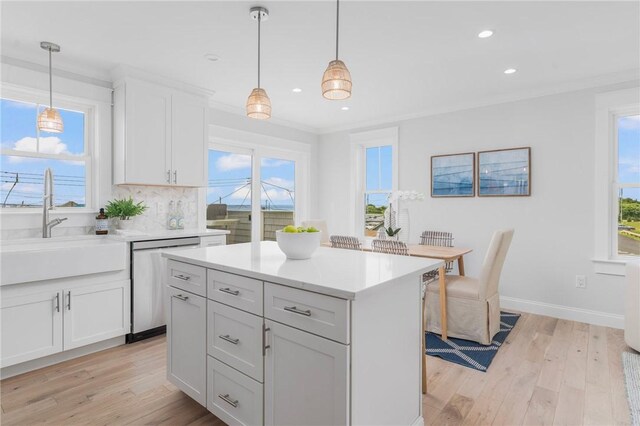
(345, 242)
(320, 225)
(493, 262)
(216, 211)
(436, 238)
(390, 247)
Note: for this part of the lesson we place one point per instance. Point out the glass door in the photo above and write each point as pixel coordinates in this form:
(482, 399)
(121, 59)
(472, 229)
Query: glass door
(229, 193)
(277, 196)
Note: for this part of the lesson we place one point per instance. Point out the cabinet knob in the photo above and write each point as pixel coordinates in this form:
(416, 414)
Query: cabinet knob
(168, 176)
(175, 176)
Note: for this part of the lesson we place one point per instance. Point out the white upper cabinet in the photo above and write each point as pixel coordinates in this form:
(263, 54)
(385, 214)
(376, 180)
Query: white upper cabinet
(160, 135)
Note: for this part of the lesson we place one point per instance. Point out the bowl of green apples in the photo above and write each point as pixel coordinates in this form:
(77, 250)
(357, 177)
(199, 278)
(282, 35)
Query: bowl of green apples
(298, 243)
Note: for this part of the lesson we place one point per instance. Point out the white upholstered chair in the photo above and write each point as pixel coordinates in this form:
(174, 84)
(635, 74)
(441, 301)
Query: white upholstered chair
(473, 304)
(320, 225)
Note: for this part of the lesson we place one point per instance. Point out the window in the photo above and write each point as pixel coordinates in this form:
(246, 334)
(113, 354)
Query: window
(26, 153)
(627, 185)
(374, 156)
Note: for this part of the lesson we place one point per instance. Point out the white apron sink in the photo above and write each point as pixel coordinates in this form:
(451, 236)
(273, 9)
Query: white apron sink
(39, 259)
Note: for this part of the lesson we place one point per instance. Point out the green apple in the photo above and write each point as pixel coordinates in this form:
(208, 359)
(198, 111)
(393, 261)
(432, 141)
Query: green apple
(290, 229)
(312, 229)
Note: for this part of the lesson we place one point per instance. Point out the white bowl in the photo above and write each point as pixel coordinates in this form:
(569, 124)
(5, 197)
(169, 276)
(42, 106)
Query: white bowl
(298, 246)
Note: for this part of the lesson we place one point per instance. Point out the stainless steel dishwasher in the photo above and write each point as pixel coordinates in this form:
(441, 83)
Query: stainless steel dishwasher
(148, 270)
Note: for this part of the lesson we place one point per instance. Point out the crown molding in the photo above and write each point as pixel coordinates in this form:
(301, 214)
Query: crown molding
(628, 76)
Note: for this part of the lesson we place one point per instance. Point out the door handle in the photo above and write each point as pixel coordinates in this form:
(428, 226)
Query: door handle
(306, 313)
(265, 329)
(181, 297)
(229, 339)
(175, 176)
(229, 291)
(69, 300)
(228, 400)
(57, 302)
(168, 176)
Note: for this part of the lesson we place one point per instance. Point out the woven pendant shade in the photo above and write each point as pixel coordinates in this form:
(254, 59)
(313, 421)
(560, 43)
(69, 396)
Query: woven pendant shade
(259, 104)
(50, 121)
(336, 81)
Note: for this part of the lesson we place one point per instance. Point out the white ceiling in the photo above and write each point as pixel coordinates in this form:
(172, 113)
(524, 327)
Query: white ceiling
(405, 57)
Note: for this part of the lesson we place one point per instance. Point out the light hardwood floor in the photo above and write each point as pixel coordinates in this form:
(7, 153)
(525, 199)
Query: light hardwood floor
(548, 372)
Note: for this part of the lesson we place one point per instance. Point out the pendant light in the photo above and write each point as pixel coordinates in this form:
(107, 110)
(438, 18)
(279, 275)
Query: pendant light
(258, 103)
(49, 120)
(336, 81)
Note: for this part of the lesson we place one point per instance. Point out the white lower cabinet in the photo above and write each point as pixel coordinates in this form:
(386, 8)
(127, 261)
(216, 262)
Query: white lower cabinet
(186, 342)
(306, 378)
(233, 397)
(95, 313)
(31, 327)
(38, 324)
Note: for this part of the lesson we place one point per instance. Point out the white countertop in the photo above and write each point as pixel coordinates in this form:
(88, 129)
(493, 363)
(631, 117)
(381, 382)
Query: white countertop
(166, 234)
(335, 272)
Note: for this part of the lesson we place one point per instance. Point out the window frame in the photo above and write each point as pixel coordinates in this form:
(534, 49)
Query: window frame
(608, 107)
(25, 95)
(359, 144)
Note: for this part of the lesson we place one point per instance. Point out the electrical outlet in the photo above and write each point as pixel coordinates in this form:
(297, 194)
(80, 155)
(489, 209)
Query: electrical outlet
(581, 281)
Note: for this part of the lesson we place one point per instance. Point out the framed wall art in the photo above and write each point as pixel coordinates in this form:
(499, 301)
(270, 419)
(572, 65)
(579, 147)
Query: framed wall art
(453, 175)
(504, 173)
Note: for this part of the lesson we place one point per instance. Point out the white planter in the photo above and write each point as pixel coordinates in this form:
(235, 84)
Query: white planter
(300, 245)
(125, 224)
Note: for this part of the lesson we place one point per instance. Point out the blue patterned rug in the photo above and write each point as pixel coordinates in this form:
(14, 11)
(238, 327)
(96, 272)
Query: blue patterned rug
(468, 353)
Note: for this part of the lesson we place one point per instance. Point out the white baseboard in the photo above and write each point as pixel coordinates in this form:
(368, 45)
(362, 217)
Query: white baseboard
(35, 364)
(563, 312)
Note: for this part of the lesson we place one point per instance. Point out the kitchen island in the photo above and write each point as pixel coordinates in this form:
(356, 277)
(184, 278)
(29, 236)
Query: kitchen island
(332, 340)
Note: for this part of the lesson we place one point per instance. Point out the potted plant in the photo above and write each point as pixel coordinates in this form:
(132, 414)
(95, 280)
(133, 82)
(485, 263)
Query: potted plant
(392, 233)
(124, 210)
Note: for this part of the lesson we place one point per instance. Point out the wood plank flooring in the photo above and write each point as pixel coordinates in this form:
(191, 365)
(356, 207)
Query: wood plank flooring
(549, 371)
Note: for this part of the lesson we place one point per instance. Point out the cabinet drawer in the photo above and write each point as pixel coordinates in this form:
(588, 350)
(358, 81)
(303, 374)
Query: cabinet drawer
(316, 313)
(235, 338)
(235, 290)
(187, 277)
(233, 397)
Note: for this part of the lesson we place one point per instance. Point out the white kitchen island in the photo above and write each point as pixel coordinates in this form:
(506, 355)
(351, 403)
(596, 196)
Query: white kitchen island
(332, 340)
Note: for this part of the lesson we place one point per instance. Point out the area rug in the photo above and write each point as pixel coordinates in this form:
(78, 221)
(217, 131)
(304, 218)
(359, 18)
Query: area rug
(468, 353)
(631, 366)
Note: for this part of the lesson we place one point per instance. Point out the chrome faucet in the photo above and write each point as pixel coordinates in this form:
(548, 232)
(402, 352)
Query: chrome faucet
(47, 204)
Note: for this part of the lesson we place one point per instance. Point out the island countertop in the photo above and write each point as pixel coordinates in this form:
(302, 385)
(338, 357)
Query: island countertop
(334, 272)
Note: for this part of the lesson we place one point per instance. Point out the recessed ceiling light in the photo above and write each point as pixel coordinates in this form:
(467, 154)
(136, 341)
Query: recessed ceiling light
(212, 57)
(297, 90)
(510, 71)
(485, 34)
(345, 108)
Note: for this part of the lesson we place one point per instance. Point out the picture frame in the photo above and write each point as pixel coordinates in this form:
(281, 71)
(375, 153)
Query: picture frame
(453, 175)
(504, 172)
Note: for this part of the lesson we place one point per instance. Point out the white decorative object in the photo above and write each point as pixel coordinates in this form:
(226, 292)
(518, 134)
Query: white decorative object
(125, 223)
(403, 224)
(403, 221)
(298, 246)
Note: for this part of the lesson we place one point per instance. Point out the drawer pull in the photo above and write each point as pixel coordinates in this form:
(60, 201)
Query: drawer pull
(229, 339)
(229, 291)
(295, 310)
(181, 297)
(228, 400)
(183, 277)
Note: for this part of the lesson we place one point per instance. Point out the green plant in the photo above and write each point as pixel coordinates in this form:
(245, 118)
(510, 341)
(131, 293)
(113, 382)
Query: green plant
(124, 209)
(392, 232)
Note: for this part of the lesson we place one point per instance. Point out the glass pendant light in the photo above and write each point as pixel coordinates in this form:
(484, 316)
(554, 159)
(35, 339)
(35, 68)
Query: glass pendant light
(49, 120)
(258, 103)
(336, 81)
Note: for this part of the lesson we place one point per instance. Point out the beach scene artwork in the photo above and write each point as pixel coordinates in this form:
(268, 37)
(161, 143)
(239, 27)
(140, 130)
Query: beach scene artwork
(453, 175)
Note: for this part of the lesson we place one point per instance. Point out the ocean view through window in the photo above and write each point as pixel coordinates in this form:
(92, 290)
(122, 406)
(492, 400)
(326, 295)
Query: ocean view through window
(26, 153)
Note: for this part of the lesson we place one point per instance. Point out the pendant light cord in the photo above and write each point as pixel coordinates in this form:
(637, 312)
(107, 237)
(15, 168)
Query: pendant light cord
(50, 82)
(259, 21)
(337, 25)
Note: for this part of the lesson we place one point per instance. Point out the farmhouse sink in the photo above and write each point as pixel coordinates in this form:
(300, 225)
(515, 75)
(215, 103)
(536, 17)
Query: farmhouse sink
(37, 259)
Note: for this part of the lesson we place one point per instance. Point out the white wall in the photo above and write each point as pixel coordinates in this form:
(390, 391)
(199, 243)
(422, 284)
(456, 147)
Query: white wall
(554, 227)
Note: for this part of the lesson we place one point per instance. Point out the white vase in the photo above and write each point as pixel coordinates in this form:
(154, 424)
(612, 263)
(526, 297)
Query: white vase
(403, 223)
(125, 224)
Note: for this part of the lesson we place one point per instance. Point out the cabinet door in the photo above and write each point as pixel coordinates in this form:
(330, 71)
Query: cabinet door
(188, 141)
(96, 312)
(148, 134)
(186, 343)
(31, 327)
(306, 378)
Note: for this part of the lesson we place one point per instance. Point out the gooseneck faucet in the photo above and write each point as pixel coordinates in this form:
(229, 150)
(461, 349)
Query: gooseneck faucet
(47, 204)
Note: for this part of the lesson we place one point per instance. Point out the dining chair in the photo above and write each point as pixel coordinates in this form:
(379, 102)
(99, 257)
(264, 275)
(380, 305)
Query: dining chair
(440, 239)
(345, 242)
(320, 225)
(389, 247)
(473, 304)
